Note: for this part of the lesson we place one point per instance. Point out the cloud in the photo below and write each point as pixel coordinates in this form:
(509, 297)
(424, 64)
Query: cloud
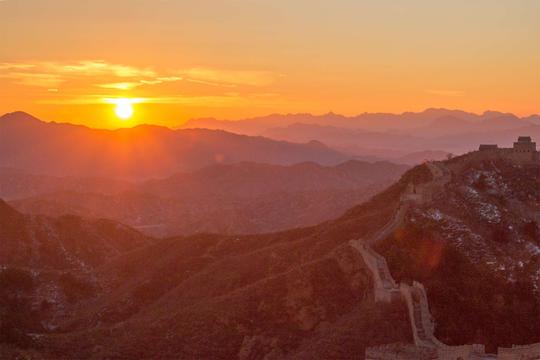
(82, 68)
(34, 79)
(225, 100)
(52, 74)
(210, 83)
(220, 77)
(100, 67)
(65, 83)
(185, 100)
(120, 86)
(169, 78)
(132, 85)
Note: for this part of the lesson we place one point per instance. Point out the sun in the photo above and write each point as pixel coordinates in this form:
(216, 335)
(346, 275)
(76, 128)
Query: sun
(124, 109)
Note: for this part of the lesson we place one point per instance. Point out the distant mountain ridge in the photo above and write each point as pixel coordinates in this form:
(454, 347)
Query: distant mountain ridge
(387, 136)
(141, 152)
(373, 121)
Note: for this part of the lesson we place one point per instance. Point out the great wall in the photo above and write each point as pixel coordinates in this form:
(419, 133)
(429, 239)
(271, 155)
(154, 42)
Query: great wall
(385, 289)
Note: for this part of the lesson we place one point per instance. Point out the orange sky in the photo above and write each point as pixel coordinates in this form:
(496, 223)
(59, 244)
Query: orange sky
(67, 60)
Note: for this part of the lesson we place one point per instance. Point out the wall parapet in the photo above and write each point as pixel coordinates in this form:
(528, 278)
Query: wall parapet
(519, 352)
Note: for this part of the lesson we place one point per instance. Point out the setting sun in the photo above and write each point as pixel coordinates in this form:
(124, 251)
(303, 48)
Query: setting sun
(124, 109)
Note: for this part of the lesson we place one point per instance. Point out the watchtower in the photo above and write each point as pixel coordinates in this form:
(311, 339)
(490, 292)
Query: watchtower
(525, 145)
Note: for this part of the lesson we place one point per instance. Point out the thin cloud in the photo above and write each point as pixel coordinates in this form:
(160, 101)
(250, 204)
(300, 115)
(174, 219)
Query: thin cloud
(99, 67)
(132, 85)
(120, 86)
(67, 83)
(220, 77)
(34, 79)
(81, 68)
(209, 83)
(169, 78)
(207, 101)
(226, 100)
(42, 73)
(54, 73)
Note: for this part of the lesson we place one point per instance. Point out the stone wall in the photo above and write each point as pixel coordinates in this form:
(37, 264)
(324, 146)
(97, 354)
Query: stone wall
(420, 317)
(427, 346)
(385, 288)
(400, 352)
(463, 352)
(524, 352)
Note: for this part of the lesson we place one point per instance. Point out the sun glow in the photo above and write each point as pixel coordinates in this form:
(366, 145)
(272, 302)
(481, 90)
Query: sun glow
(124, 109)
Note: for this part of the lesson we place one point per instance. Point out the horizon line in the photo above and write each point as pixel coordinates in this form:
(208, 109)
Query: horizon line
(329, 113)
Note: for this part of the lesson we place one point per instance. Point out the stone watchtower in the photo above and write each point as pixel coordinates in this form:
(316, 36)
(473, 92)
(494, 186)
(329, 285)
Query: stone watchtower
(524, 150)
(525, 145)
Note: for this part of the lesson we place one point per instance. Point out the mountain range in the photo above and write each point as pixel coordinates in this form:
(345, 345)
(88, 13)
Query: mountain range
(387, 136)
(298, 294)
(238, 198)
(142, 152)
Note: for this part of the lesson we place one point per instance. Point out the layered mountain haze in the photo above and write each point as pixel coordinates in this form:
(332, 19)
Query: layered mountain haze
(239, 198)
(17, 184)
(452, 120)
(469, 233)
(388, 136)
(144, 151)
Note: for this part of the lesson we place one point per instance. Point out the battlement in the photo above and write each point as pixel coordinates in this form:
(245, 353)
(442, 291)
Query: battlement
(523, 151)
(488, 147)
(525, 145)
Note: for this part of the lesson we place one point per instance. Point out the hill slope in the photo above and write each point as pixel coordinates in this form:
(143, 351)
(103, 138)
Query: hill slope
(476, 248)
(238, 198)
(67, 242)
(306, 293)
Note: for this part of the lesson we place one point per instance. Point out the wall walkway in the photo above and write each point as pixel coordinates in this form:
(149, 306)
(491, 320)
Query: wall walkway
(422, 323)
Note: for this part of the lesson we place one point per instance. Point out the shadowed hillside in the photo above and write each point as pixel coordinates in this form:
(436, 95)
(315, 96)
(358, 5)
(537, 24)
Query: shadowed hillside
(239, 198)
(307, 293)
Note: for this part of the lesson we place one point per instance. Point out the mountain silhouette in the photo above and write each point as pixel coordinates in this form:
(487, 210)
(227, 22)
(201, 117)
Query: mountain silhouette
(140, 152)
